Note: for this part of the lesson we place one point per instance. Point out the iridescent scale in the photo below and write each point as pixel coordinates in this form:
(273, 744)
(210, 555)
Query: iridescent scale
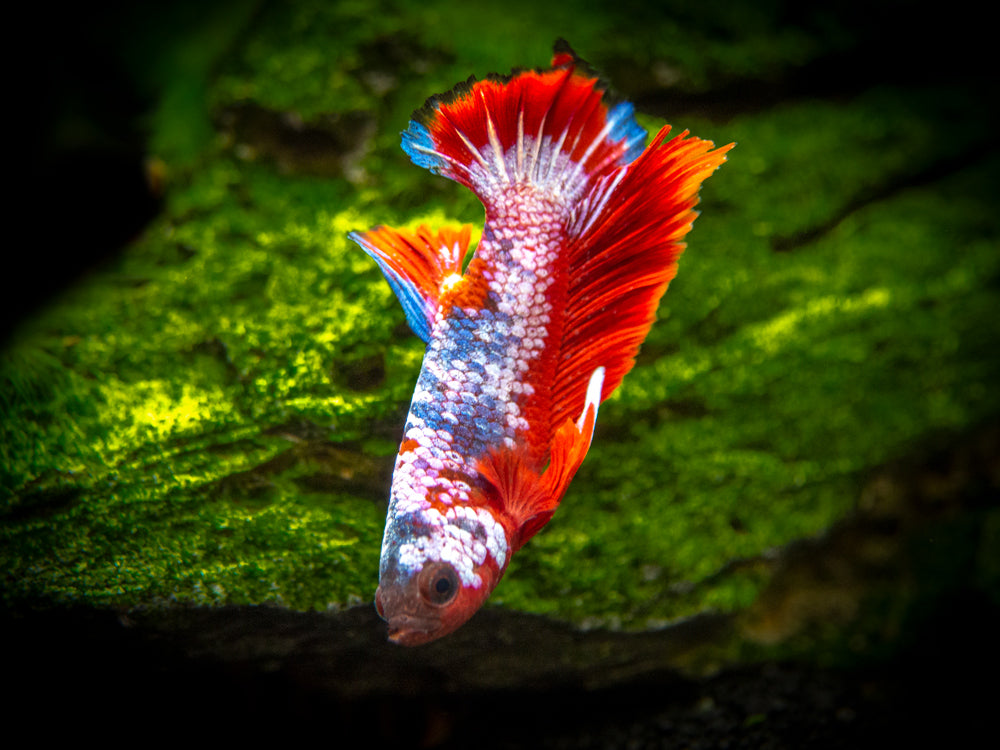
(473, 392)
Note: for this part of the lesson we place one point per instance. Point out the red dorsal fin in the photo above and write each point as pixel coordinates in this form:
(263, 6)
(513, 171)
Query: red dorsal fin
(417, 265)
(628, 233)
(525, 497)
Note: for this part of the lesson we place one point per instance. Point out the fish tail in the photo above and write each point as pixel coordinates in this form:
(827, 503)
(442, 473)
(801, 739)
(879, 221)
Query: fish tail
(551, 128)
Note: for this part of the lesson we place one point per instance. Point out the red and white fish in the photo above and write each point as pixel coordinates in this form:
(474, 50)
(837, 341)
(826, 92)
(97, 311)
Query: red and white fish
(582, 235)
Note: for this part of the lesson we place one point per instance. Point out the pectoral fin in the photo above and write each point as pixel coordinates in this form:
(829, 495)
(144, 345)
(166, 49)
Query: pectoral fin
(416, 265)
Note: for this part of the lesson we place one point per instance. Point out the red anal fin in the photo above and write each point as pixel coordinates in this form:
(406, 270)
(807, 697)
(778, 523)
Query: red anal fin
(516, 492)
(628, 236)
(418, 265)
(525, 497)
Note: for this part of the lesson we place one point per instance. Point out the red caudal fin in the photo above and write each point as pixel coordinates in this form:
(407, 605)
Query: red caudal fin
(550, 128)
(417, 265)
(628, 234)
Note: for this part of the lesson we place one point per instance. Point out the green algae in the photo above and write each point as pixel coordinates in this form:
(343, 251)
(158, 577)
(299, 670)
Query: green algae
(142, 413)
(209, 420)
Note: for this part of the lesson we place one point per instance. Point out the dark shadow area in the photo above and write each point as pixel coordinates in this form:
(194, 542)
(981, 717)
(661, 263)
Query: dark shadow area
(246, 672)
(857, 46)
(89, 189)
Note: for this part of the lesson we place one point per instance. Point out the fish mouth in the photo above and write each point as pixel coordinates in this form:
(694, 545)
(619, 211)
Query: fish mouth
(410, 630)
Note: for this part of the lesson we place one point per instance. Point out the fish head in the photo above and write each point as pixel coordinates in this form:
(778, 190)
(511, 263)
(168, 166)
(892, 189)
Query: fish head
(424, 607)
(434, 577)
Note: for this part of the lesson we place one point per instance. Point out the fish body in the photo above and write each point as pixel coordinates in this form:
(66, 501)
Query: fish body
(583, 230)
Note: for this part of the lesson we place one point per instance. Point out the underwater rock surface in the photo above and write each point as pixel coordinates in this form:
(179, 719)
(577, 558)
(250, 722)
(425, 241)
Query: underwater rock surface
(198, 436)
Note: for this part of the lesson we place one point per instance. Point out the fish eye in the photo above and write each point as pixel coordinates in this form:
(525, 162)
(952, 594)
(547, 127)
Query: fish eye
(438, 583)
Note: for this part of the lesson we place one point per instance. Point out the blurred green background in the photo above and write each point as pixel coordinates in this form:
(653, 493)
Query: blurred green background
(203, 383)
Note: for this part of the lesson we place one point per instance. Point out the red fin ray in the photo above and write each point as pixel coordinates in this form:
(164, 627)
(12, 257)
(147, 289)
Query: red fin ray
(525, 497)
(417, 264)
(516, 492)
(629, 233)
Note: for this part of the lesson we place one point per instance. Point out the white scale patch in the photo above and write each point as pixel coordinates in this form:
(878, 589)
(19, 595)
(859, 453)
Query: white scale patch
(532, 161)
(454, 541)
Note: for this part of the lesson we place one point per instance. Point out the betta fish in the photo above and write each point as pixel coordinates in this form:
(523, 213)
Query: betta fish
(584, 226)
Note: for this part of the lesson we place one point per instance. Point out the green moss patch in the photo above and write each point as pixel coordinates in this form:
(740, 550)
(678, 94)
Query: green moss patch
(212, 418)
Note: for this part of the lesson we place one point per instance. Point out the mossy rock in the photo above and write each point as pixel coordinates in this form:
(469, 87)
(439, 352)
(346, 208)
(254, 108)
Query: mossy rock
(211, 419)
